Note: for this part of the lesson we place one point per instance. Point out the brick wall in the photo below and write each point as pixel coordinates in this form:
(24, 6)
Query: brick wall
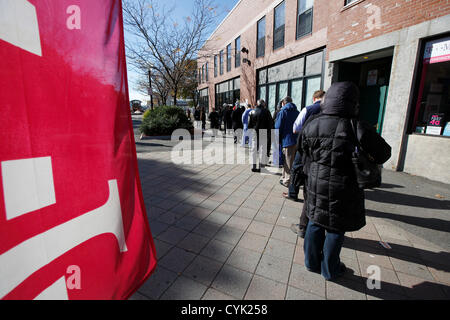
(371, 18)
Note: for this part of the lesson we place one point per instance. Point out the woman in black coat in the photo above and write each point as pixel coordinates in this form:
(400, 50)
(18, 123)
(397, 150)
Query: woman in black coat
(334, 202)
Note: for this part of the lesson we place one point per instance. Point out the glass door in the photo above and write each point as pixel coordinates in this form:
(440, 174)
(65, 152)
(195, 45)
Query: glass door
(271, 103)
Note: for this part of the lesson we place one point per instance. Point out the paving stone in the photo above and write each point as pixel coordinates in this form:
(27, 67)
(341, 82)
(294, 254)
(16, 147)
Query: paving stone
(235, 200)
(418, 288)
(307, 281)
(177, 260)
(138, 296)
(218, 217)
(203, 270)
(284, 234)
(232, 281)
(247, 213)
(260, 228)
(172, 235)
(227, 208)
(182, 208)
(161, 248)
(411, 268)
(157, 227)
(267, 217)
(229, 235)
(200, 213)
(213, 294)
(280, 249)
(345, 290)
(244, 259)
(253, 204)
(389, 280)
(299, 255)
(217, 250)
(285, 221)
(297, 294)
(238, 223)
(169, 217)
(274, 268)
(440, 274)
(265, 289)
(158, 282)
(193, 243)
(209, 204)
(184, 289)
(187, 223)
(207, 229)
(167, 204)
(375, 259)
(253, 241)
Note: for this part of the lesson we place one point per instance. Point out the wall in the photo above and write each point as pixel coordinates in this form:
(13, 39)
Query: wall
(428, 157)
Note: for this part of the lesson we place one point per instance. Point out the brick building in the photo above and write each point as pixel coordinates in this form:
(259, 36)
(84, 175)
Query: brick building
(396, 51)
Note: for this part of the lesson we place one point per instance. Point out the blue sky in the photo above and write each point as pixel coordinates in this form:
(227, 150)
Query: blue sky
(183, 8)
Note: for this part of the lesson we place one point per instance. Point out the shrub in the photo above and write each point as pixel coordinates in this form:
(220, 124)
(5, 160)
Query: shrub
(164, 120)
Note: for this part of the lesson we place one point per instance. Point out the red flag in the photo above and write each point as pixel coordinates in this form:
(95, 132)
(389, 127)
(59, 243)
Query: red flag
(72, 218)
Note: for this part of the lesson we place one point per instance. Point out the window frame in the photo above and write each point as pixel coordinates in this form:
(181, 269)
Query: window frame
(237, 52)
(282, 3)
(299, 14)
(263, 47)
(215, 66)
(221, 62)
(229, 57)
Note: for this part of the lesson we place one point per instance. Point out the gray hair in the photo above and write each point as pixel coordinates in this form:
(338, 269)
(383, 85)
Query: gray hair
(261, 103)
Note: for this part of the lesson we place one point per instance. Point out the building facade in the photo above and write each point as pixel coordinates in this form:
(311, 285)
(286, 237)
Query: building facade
(396, 51)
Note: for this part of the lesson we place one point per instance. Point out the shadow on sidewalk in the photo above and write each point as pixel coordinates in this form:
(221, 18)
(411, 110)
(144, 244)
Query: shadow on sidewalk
(406, 200)
(430, 223)
(173, 195)
(425, 290)
(436, 260)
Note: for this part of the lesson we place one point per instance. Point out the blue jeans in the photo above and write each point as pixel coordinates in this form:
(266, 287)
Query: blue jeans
(322, 249)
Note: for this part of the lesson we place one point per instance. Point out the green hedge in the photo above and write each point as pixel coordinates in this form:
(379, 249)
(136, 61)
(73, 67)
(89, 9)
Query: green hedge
(163, 120)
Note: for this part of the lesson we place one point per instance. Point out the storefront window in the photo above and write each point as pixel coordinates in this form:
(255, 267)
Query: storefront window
(228, 92)
(298, 78)
(432, 111)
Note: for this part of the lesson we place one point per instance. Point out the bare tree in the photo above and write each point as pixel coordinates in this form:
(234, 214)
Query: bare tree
(165, 46)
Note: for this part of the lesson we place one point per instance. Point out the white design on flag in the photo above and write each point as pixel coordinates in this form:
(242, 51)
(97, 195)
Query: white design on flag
(20, 262)
(27, 185)
(19, 25)
(57, 291)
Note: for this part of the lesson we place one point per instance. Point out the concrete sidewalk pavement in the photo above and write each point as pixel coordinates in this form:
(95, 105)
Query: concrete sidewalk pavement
(222, 232)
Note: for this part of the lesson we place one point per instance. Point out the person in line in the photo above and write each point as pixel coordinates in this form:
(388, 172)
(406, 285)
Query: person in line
(277, 155)
(220, 112)
(297, 167)
(203, 118)
(284, 122)
(261, 122)
(228, 119)
(335, 203)
(214, 121)
(197, 115)
(236, 118)
(246, 139)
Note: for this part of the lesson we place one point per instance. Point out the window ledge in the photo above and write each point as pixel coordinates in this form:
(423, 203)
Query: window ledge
(351, 5)
(430, 135)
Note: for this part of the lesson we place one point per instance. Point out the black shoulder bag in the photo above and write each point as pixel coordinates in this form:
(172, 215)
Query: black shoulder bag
(368, 173)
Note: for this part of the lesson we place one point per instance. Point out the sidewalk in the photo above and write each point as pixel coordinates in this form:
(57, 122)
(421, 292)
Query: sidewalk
(222, 232)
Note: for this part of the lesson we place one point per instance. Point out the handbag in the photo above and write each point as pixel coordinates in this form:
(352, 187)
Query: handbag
(368, 172)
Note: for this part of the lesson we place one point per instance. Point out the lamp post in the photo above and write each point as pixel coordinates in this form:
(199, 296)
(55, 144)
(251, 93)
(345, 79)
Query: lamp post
(150, 90)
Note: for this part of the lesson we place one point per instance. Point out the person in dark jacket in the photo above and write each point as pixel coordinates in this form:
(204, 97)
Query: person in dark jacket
(335, 203)
(228, 121)
(261, 122)
(297, 166)
(236, 119)
(284, 123)
(203, 118)
(214, 120)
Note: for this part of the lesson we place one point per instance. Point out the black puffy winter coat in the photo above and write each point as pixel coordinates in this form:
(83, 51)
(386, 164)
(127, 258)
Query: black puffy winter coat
(334, 200)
